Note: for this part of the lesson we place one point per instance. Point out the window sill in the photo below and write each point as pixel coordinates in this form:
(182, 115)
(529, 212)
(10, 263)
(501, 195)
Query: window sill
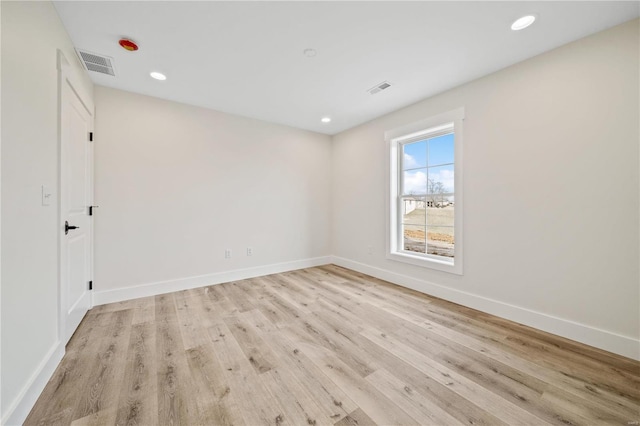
(431, 263)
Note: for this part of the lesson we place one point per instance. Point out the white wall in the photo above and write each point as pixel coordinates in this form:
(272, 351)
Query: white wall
(178, 184)
(31, 35)
(551, 192)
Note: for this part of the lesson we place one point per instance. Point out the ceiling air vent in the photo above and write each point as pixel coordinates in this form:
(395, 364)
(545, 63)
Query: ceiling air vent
(97, 63)
(379, 87)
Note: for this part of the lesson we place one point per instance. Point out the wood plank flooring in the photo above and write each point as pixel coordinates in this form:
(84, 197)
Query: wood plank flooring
(326, 346)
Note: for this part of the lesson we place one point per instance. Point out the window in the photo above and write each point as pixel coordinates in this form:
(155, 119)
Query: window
(425, 193)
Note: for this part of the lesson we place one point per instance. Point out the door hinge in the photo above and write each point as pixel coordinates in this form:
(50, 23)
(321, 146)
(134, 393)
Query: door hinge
(90, 285)
(91, 209)
(90, 136)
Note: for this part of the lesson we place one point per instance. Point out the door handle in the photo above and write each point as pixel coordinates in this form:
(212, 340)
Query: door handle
(67, 227)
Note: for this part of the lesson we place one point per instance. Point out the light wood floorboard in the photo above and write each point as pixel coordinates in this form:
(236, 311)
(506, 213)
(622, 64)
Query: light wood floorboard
(326, 346)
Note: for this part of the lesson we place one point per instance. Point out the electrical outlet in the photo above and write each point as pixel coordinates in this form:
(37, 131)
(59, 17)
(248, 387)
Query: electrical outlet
(227, 253)
(249, 251)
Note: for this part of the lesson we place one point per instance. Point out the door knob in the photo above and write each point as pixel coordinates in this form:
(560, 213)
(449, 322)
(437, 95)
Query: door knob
(67, 227)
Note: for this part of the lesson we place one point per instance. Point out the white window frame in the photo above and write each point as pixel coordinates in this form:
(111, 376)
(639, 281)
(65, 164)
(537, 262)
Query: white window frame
(394, 139)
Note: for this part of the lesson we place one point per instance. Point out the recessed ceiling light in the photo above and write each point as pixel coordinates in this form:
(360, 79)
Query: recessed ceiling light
(310, 53)
(326, 119)
(158, 75)
(522, 23)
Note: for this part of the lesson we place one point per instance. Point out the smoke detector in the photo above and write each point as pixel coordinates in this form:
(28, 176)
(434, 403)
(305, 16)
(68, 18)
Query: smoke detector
(97, 63)
(379, 87)
(128, 45)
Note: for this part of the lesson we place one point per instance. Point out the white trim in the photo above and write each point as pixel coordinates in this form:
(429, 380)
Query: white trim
(451, 120)
(425, 260)
(603, 339)
(19, 409)
(162, 287)
(415, 129)
(1, 411)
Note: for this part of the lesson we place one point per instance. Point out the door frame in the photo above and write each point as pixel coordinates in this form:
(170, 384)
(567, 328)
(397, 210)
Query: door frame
(67, 75)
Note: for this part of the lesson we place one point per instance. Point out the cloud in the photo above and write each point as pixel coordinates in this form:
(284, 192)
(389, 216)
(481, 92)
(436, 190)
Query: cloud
(409, 162)
(445, 176)
(415, 182)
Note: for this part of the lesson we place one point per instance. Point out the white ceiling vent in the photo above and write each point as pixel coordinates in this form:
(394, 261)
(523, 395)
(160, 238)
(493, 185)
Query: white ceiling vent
(379, 87)
(97, 63)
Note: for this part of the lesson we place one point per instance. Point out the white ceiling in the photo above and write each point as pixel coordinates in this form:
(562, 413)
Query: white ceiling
(247, 58)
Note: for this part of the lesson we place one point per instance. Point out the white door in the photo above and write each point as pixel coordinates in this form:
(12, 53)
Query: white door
(76, 195)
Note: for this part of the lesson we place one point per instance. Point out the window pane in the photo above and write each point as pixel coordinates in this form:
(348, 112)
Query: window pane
(440, 240)
(442, 215)
(413, 211)
(414, 155)
(414, 238)
(415, 182)
(441, 181)
(441, 150)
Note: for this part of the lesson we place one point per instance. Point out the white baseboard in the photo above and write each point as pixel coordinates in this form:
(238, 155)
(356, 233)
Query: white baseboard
(606, 340)
(21, 406)
(162, 287)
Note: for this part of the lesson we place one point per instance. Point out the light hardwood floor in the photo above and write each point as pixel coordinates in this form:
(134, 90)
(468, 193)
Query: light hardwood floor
(326, 346)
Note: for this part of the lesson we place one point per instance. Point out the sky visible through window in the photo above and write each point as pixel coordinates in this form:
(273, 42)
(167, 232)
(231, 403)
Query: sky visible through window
(429, 159)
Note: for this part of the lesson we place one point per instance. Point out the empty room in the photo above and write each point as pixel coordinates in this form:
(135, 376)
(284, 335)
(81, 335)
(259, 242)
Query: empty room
(320, 213)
